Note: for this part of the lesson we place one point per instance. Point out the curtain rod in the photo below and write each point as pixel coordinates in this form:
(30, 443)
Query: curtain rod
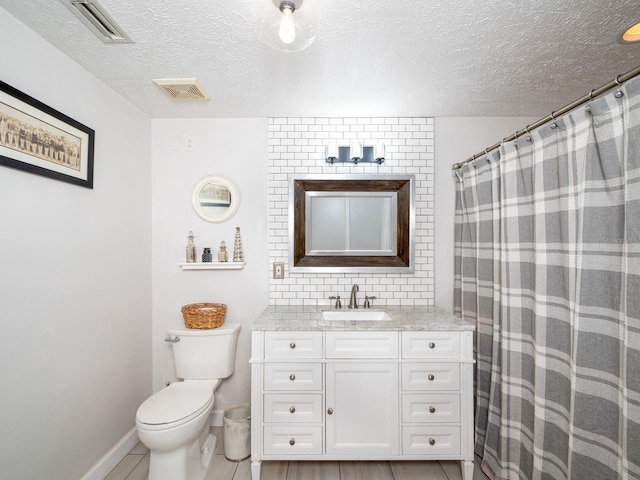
(553, 115)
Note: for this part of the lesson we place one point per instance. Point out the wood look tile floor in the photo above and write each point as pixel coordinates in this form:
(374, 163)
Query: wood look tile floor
(135, 466)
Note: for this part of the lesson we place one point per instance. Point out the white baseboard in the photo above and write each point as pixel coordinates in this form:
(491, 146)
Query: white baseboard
(107, 463)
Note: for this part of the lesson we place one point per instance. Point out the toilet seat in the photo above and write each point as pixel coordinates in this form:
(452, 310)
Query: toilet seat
(173, 406)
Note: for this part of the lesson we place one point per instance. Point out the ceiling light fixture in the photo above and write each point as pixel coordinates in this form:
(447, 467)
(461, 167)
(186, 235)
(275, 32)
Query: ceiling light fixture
(631, 34)
(289, 27)
(287, 31)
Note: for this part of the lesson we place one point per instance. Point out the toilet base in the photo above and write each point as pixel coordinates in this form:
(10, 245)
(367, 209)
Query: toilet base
(188, 463)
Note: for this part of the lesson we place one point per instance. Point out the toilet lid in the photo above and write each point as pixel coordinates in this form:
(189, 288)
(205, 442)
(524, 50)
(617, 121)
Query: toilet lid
(174, 404)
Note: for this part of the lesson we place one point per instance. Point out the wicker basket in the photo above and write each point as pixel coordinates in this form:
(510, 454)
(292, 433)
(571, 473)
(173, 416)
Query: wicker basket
(204, 315)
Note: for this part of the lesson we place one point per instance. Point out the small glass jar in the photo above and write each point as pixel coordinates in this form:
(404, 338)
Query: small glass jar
(191, 249)
(222, 254)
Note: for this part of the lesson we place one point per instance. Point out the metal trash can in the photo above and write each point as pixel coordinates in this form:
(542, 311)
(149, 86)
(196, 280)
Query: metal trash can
(237, 431)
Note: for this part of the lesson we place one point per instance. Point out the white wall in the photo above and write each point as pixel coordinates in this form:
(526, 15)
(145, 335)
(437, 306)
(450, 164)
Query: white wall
(75, 278)
(237, 149)
(458, 138)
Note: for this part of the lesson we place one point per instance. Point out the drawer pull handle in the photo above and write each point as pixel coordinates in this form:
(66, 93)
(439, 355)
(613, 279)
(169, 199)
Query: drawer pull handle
(432, 409)
(292, 409)
(432, 345)
(292, 345)
(330, 411)
(292, 441)
(292, 377)
(431, 377)
(432, 441)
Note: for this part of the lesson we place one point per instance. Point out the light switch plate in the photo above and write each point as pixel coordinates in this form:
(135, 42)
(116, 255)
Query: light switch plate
(278, 270)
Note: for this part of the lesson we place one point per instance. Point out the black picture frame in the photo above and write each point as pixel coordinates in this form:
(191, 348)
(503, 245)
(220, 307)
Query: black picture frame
(38, 139)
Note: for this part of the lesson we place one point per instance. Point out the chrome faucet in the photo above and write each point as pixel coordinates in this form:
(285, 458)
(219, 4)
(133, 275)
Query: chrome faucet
(353, 301)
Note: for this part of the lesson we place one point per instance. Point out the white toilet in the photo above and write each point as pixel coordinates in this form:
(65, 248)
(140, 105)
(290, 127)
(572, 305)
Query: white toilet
(174, 423)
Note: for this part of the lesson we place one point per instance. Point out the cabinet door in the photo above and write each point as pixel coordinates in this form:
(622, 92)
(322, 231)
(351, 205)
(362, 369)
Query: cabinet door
(362, 409)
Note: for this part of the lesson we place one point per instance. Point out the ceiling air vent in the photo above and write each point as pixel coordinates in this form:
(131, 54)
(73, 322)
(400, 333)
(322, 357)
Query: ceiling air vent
(182, 88)
(96, 18)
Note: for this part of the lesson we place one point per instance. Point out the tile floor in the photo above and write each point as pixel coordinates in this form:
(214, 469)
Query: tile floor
(135, 466)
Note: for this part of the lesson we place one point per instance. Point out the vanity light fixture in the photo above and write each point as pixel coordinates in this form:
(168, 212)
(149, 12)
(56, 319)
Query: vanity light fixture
(630, 35)
(355, 153)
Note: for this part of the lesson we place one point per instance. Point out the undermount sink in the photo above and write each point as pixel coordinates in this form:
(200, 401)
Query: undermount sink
(360, 315)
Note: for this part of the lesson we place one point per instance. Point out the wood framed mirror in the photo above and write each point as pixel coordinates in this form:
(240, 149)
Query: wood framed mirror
(351, 223)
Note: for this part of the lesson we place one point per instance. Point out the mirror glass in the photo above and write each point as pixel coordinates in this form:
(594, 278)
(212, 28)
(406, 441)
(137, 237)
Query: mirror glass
(351, 223)
(215, 198)
(340, 223)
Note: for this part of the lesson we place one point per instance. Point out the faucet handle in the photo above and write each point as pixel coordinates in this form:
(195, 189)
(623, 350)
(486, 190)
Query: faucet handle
(366, 300)
(337, 299)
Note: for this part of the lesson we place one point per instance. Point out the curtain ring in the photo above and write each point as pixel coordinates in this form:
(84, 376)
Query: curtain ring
(617, 80)
(526, 129)
(591, 92)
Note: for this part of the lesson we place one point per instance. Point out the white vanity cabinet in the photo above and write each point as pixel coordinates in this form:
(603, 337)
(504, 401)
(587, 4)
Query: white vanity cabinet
(359, 394)
(291, 393)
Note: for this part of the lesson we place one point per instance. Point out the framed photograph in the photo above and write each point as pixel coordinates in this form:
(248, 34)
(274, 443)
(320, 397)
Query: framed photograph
(38, 139)
(213, 195)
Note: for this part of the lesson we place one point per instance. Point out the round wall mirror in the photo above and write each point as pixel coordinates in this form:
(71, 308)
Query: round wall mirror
(215, 198)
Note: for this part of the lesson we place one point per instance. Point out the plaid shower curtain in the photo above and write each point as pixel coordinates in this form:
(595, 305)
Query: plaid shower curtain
(547, 265)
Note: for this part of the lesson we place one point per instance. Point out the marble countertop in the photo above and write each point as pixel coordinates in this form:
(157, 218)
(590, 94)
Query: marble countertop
(419, 318)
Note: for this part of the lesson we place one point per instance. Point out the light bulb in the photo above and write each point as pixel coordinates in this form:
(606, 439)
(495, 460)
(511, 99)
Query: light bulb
(287, 30)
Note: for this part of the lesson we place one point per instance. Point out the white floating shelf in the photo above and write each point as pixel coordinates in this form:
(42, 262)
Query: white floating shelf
(213, 266)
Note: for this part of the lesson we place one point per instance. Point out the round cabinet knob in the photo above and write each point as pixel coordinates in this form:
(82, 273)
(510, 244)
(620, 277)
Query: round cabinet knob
(330, 411)
(292, 345)
(432, 441)
(292, 377)
(432, 345)
(430, 377)
(431, 410)
(293, 441)
(292, 409)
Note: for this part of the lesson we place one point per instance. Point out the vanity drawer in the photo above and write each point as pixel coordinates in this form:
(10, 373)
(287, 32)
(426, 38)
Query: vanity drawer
(431, 440)
(293, 376)
(292, 408)
(293, 345)
(431, 376)
(431, 408)
(292, 439)
(431, 344)
(362, 344)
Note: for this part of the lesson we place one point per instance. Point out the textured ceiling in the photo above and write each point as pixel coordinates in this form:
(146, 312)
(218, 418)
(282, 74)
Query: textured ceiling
(370, 57)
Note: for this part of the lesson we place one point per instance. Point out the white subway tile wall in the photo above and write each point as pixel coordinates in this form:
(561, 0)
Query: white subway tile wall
(297, 146)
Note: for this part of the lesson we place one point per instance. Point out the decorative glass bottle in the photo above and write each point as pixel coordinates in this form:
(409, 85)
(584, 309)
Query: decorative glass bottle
(238, 254)
(191, 249)
(222, 254)
(206, 255)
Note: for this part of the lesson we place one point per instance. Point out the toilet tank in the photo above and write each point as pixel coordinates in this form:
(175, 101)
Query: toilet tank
(205, 354)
